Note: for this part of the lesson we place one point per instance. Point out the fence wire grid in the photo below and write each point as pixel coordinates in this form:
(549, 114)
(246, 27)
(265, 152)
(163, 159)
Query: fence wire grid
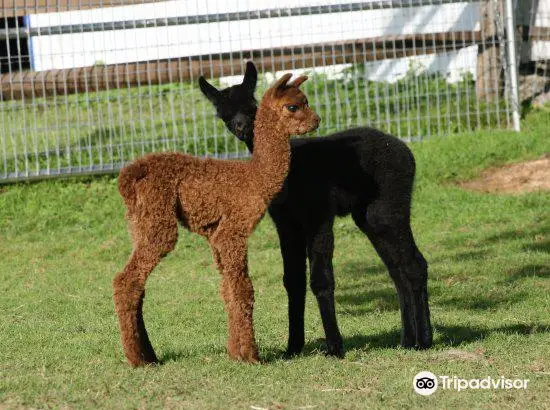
(86, 86)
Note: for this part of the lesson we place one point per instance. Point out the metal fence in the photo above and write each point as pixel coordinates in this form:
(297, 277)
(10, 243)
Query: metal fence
(88, 85)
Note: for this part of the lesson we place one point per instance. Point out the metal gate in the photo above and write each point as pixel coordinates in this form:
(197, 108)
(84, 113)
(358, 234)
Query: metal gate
(86, 86)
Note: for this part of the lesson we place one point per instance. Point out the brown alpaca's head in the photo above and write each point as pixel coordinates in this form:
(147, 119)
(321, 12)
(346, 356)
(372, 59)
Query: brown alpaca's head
(289, 106)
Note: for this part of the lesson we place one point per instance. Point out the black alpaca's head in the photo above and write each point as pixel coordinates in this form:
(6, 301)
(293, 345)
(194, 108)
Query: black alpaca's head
(236, 105)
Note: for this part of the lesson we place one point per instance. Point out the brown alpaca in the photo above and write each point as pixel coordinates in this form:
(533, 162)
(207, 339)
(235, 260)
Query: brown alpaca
(220, 200)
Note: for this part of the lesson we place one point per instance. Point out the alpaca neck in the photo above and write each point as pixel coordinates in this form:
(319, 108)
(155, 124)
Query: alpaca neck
(249, 137)
(271, 156)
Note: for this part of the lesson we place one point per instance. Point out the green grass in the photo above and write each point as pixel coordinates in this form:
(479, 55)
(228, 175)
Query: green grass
(61, 242)
(111, 127)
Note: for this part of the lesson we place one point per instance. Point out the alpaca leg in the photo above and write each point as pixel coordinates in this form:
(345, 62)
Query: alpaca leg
(320, 248)
(129, 292)
(233, 340)
(239, 294)
(391, 235)
(409, 268)
(147, 347)
(233, 344)
(293, 251)
(405, 302)
(418, 277)
(242, 294)
(153, 242)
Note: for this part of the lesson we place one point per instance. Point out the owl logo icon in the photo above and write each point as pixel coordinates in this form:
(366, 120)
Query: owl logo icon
(425, 383)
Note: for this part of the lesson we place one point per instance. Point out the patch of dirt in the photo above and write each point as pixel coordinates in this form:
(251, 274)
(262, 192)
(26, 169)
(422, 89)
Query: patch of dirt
(526, 176)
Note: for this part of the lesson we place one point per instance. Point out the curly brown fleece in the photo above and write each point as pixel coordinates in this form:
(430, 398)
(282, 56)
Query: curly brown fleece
(220, 200)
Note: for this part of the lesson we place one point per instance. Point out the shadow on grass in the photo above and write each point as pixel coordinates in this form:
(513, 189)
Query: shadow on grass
(483, 245)
(538, 247)
(176, 356)
(528, 271)
(459, 256)
(480, 301)
(455, 335)
(364, 298)
(527, 234)
(267, 356)
(504, 236)
(368, 301)
(385, 300)
(359, 270)
(353, 296)
(172, 356)
(446, 336)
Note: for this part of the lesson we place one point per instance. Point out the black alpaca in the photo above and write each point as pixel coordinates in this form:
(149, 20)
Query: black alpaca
(361, 171)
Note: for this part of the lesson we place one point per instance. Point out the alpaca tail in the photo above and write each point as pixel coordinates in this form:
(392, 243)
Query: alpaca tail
(127, 179)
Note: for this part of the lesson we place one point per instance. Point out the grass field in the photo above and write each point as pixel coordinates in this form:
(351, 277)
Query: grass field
(61, 242)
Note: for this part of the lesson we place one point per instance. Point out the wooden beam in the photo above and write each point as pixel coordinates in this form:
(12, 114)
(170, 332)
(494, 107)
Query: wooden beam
(488, 81)
(535, 44)
(17, 8)
(539, 33)
(21, 7)
(21, 85)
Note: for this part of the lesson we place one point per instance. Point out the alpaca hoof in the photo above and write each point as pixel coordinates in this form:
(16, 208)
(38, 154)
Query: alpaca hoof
(250, 355)
(142, 362)
(150, 358)
(408, 342)
(144, 359)
(425, 340)
(252, 359)
(424, 344)
(335, 350)
(294, 348)
(234, 351)
(291, 352)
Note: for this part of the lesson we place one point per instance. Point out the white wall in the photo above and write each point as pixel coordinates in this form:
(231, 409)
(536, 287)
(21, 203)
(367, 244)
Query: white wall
(109, 47)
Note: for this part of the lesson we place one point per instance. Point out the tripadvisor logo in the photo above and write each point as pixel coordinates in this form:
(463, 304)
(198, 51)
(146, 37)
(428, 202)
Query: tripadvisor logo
(426, 383)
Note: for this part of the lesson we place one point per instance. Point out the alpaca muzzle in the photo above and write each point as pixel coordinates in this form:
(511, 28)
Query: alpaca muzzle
(316, 121)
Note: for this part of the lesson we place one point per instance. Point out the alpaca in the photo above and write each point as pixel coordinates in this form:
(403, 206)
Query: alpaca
(361, 171)
(218, 199)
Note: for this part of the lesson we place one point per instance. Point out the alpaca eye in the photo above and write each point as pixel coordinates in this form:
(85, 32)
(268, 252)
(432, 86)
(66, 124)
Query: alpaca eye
(292, 108)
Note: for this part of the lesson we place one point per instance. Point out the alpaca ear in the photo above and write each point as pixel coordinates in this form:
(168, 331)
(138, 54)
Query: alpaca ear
(281, 82)
(250, 77)
(208, 90)
(296, 83)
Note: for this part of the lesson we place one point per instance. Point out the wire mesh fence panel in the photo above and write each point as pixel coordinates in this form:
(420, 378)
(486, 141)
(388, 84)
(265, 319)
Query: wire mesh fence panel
(88, 85)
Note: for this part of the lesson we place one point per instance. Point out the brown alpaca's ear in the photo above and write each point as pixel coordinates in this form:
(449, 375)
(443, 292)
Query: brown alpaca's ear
(281, 82)
(296, 83)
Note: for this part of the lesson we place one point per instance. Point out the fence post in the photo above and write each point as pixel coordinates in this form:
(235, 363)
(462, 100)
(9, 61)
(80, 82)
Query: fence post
(488, 77)
(512, 61)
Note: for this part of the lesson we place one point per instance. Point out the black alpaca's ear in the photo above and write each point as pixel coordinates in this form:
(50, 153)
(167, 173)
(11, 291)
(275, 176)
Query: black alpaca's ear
(250, 77)
(209, 90)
